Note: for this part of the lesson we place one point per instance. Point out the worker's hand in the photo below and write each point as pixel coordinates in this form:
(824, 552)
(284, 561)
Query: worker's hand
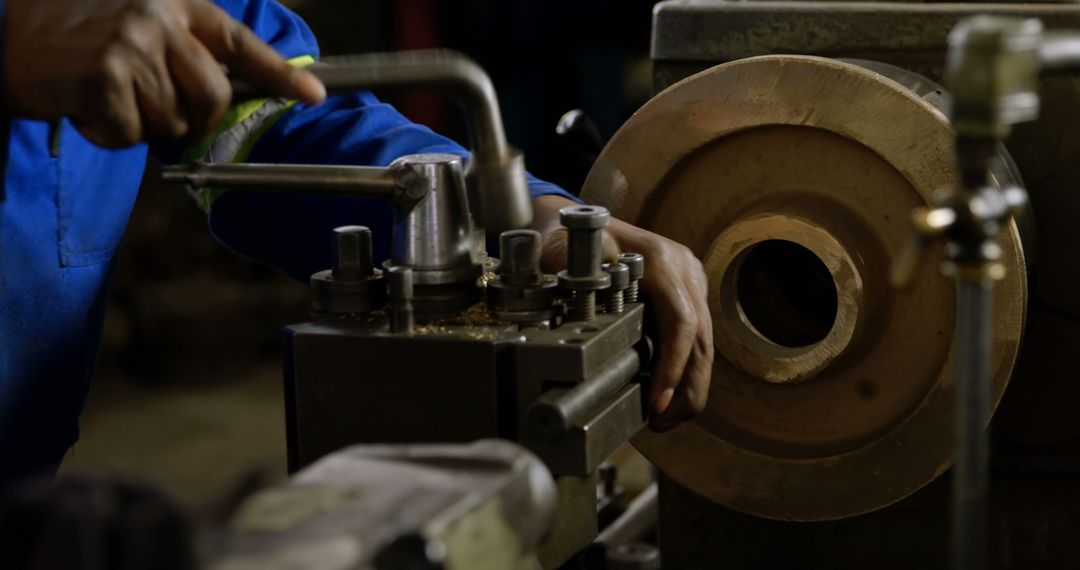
(676, 286)
(126, 70)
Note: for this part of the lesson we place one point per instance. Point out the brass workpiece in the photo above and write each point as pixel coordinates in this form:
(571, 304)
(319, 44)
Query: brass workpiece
(793, 179)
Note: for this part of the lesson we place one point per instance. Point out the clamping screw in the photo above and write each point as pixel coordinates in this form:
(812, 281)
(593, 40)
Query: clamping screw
(584, 275)
(520, 256)
(352, 253)
(635, 262)
(615, 298)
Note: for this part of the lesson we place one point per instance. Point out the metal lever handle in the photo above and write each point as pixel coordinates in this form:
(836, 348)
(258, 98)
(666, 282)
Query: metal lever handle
(499, 192)
(343, 180)
(438, 69)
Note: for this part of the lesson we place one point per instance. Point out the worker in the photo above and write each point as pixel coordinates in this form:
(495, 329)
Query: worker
(88, 82)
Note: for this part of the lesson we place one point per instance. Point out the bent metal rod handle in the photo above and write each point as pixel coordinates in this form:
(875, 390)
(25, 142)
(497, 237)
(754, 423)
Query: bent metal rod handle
(294, 178)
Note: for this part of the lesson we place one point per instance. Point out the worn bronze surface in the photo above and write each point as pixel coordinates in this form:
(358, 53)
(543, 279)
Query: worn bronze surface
(792, 178)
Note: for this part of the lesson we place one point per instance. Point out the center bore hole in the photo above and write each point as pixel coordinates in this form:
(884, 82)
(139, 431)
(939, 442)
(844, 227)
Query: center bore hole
(786, 293)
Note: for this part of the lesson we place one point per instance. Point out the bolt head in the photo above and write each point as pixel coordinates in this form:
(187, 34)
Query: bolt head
(585, 217)
(636, 263)
(352, 252)
(620, 275)
(520, 253)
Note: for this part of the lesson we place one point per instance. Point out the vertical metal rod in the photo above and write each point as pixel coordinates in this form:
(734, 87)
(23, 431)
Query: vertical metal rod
(402, 317)
(973, 393)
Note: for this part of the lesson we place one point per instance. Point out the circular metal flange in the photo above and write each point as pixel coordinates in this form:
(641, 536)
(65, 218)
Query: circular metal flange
(778, 347)
(793, 178)
(523, 304)
(357, 296)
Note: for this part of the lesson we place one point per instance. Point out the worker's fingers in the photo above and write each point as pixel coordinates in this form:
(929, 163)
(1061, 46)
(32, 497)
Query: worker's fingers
(248, 58)
(159, 108)
(110, 116)
(203, 88)
(680, 385)
(142, 38)
(132, 96)
(691, 395)
(553, 250)
(161, 112)
(678, 333)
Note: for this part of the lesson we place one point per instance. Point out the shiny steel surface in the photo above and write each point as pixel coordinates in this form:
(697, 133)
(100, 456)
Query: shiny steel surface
(436, 237)
(786, 170)
(1060, 52)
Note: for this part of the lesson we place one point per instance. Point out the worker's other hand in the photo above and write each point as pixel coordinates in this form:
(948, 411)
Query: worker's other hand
(127, 70)
(677, 288)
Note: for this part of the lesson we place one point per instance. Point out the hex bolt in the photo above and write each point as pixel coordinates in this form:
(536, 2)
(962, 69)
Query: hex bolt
(584, 275)
(352, 253)
(615, 298)
(636, 263)
(402, 319)
(519, 251)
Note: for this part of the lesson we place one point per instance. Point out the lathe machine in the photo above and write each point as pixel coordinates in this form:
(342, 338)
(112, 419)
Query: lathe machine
(794, 179)
(446, 345)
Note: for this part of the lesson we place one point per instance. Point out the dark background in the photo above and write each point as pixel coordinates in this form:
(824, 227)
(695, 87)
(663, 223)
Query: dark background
(544, 57)
(188, 391)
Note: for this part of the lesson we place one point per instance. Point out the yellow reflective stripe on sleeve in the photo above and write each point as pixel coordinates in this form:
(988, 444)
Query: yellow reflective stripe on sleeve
(235, 117)
(235, 144)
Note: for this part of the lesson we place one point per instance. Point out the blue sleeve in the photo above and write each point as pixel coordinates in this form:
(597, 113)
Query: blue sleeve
(275, 24)
(293, 232)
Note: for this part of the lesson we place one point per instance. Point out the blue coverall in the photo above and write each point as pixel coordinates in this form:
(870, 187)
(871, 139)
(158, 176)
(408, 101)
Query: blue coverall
(65, 203)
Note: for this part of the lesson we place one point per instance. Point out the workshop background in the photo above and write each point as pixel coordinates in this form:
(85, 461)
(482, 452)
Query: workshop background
(188, 391)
